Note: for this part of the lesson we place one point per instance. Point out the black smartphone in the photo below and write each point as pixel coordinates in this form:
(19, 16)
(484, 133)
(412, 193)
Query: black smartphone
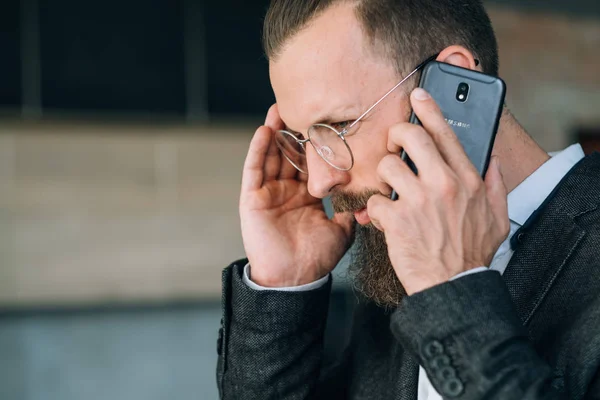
(471, 103)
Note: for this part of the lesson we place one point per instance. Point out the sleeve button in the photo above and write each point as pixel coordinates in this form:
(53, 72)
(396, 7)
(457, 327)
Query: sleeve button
(446, 373)
(440, 361)
(452, 387)
(433, 348)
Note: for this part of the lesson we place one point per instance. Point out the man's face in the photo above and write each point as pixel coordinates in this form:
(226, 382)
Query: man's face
(328, 73)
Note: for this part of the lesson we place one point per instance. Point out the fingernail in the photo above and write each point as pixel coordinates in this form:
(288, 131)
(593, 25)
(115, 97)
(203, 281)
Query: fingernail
(421, 94)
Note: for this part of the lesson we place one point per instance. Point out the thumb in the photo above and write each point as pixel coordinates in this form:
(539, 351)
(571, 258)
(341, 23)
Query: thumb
(497, 193)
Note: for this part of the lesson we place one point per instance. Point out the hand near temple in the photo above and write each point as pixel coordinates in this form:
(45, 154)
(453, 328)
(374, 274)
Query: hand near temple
(288, 238)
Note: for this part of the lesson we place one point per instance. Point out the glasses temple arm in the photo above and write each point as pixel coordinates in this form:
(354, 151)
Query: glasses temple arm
(392, 89)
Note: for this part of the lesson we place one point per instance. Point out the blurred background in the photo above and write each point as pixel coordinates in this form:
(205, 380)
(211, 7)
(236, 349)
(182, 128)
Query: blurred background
(123, 129)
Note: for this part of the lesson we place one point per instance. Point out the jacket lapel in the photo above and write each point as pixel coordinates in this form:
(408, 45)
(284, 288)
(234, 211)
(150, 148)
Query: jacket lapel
(539, 258)
(547, 241)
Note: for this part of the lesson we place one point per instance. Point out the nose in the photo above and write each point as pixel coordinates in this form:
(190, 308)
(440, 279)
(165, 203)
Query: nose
(322, 177)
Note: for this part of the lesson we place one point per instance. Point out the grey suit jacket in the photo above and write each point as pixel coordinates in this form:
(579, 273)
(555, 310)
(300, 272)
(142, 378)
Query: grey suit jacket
(533, 333)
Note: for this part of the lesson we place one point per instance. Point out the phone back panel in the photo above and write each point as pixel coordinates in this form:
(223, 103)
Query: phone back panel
(474, 121)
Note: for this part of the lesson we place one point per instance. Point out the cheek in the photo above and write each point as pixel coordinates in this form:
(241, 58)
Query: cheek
(370, 146)
(370, 150)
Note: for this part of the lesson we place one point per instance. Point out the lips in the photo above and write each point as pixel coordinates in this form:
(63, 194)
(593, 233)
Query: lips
(362, 216)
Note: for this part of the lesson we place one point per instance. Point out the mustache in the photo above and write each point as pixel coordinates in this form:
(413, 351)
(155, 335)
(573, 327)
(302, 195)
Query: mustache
(350, 202)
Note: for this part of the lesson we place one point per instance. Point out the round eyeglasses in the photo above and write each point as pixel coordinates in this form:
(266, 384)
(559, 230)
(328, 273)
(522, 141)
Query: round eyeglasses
(329, 141)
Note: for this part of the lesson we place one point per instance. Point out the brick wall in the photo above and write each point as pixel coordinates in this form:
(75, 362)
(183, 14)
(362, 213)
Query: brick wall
(551, 64)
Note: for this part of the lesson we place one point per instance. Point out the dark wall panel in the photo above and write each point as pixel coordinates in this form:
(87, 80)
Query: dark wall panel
(10, 66)
(238, 73)
(112, 55)
(130, 55)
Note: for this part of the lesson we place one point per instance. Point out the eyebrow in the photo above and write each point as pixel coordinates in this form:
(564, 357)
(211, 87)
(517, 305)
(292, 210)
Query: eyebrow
(341, 113)
(328, 118)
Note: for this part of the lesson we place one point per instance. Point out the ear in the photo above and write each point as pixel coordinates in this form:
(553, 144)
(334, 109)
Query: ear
(459, 56)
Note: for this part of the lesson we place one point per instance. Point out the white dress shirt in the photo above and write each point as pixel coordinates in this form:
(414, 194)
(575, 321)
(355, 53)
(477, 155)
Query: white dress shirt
(522, 202)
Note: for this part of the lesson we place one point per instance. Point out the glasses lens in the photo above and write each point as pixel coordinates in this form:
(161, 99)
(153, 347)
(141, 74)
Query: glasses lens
(330, 146)
(291, 150)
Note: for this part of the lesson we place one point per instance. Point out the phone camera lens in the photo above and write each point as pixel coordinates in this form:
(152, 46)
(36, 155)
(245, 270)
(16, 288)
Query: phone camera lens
(462, 93)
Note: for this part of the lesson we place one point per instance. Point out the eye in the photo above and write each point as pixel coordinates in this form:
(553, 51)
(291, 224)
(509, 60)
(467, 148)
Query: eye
(340, 126)
(298, 135)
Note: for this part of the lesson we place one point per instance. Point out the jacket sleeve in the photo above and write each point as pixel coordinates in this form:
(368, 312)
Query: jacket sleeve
(468, 337)
(270, 342)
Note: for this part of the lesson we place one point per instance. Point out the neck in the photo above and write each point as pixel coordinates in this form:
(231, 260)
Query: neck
(518, 153)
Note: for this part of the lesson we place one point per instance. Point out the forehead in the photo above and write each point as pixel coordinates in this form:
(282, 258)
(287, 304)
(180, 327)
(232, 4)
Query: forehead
(328, 69)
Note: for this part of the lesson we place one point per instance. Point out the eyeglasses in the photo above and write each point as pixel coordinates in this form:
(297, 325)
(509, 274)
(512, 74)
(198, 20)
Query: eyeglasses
(329, 141)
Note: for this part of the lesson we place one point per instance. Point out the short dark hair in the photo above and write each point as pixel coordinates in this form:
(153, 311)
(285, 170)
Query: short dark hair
(407, 31)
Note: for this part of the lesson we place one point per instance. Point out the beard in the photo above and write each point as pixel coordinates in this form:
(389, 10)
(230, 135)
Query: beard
(370, 270)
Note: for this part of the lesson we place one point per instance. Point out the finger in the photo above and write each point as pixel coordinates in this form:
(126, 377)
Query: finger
(346, 221)
(443, 135)
(497, 194)
(378, 208)
(273, 120)
(287, 170)
(418, 145)
(273, 160)
(280, 164)
(253, 172)
(396, 173)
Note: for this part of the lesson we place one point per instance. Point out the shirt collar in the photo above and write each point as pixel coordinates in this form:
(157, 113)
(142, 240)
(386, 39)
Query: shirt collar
(531, 193)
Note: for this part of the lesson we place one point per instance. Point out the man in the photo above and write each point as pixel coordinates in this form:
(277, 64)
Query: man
(470, 294)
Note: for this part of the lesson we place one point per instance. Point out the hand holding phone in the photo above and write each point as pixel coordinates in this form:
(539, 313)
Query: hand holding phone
(471, 103)
(449, 220)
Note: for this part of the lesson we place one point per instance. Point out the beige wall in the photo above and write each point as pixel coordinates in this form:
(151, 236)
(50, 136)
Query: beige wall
(95, 213)
(115, 213)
